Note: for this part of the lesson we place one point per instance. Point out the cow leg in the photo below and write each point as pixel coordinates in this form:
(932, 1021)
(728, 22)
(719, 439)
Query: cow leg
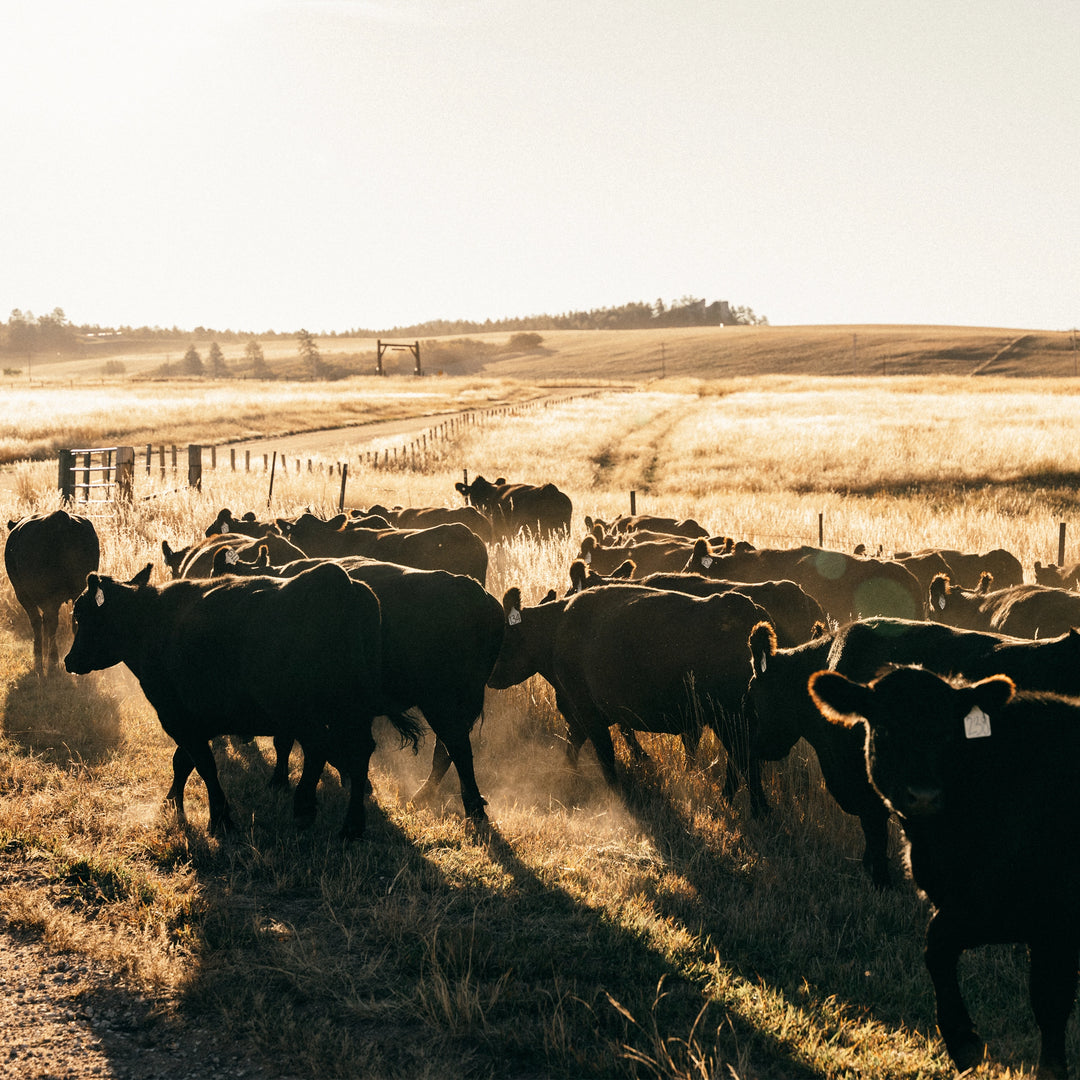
(50, 621)
(34, 616)
(637, 752)
(1052, 987)
(455, 737)
(356, 758)
(875, 827)
(944, 945)
(427, 793)
(279, 779)
(182, 768)
(203, 757)
(304, 801)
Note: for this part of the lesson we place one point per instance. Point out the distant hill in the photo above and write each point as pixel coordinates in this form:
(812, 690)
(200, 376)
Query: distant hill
(634, 355)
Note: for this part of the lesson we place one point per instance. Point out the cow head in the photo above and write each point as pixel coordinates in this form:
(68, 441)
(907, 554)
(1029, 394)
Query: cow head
(98, 619)
(775, 709)
(480, 493)
(916, 723)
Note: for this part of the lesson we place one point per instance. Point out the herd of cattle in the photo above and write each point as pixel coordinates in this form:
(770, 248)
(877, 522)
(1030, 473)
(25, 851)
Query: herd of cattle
(934, 685)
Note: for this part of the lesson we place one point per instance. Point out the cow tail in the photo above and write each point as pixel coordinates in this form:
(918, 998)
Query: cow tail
(409, 729)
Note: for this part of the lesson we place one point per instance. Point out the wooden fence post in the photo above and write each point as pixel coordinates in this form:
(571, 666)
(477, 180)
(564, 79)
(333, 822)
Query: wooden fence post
(633, 503)
(194, 466)
(821, 530)
(66, 479)
(344, 478)
(125, 472)
(1061, 544)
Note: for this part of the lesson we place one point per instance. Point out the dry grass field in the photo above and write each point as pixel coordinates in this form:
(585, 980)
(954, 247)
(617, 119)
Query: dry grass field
(661, 933)
(707, 352)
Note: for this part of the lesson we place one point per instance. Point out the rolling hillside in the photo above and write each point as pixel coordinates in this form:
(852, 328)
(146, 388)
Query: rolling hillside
(706, 352)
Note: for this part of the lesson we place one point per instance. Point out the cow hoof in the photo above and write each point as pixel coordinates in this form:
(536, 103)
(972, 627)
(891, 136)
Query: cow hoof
(967, 1050)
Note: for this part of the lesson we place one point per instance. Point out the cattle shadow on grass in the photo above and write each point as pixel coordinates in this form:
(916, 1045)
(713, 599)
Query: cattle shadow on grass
(465, 943)
(61, 718)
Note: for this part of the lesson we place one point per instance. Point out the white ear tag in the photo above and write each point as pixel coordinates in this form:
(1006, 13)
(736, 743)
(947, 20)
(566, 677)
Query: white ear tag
(99, 598)
(707, 561)
(514, 618)
(941, 603)
(976, 724)
(224, 527)
(588, 558)
(231, 557)
(764, 662)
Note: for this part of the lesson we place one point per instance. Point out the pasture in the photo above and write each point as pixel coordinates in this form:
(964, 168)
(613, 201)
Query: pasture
(661, 934)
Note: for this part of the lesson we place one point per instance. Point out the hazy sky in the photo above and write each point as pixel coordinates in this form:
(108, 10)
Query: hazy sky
(328, 164)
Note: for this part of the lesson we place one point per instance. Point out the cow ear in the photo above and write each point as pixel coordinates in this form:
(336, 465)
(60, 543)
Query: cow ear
(512, 605)
(986, 579)
(626, 569)
(501, 480)
(549, 596)
(578, 574)
(939, 591)
(840, 700)
(143, 576)
(762, 646)
(338, 522)
(994, 693)
(463, 488)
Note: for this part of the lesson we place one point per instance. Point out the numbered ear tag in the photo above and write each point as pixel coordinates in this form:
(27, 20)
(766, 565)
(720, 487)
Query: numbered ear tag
(231, 557)
(976, 724)
(99, 598)
(514, 618)
(707, 561)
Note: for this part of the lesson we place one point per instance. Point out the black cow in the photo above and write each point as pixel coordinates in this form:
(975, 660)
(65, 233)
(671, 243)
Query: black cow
(423, 517)
(984, 782)
(649, 556)
(794, 613)
(846, 586)
(47, 557)
(197, 560)
(644, 659)
(967, 568)
(1064, 577)
(454, 548)
(780, 710)
(1020, 610)
(630, 523)
(441, 634)
(228, 656)
(540, 510)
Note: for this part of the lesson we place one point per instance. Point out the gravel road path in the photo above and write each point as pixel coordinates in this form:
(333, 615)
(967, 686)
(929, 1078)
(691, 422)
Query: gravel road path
(63, 1015)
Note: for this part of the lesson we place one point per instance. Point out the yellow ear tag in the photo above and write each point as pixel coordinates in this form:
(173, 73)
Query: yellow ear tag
(976, 724)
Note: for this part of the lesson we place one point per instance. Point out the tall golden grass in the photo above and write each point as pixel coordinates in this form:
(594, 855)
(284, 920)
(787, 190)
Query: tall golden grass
(659, 934)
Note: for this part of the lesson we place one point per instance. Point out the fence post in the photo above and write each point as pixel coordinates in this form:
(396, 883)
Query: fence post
(87, 462)
(194, 466)
(1061, 544)
(344, 477)
(149, 457)
(67, 476)
(821, 530)
(161, 457)
(125, 472)
(633, 503)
